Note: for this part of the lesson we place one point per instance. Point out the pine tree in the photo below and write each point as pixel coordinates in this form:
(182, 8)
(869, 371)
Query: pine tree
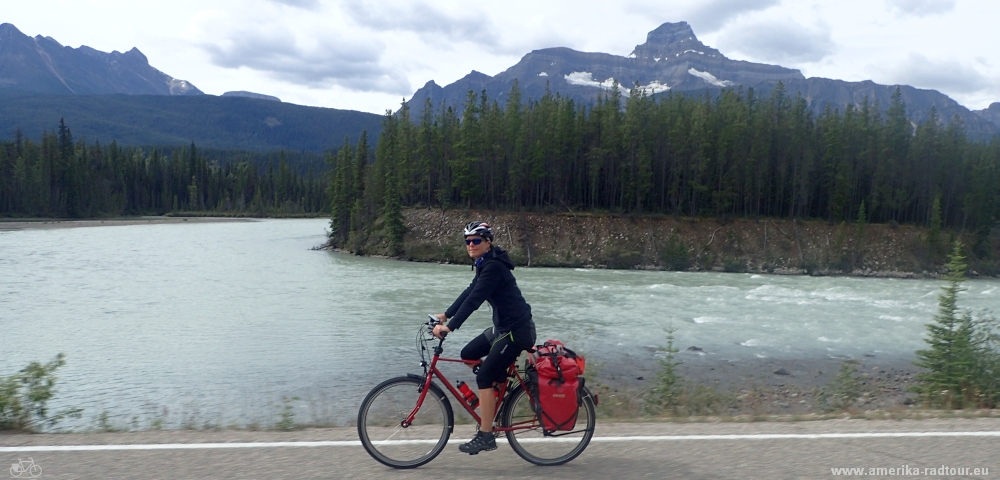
(392, 216)
(934, 231)
(950, 361)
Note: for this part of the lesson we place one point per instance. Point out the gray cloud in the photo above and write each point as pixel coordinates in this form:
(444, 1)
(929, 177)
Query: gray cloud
(920, 8)
(948, 75)
(706, 16)
(303, 4)
(710, 16)
(420, 17)
(779, 41)
(332, 61)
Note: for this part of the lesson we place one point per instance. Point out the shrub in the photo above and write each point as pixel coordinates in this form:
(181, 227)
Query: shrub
(677, 396)
(622, 259)
(286, 416)
(733, 265)
(675, 255)
(24, 397)
(667, 392)
(845, 389)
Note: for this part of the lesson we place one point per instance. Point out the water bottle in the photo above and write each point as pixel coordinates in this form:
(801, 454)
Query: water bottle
(468, 394)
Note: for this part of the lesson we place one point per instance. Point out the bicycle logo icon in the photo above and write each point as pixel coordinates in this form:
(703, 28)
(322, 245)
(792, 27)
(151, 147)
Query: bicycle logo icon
(25, 467)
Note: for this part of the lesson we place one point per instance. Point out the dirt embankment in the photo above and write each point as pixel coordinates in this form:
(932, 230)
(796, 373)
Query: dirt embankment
(792, 247)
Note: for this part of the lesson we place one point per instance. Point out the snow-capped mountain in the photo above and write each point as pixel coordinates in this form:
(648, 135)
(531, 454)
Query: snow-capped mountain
(43, 65)
(673, 59)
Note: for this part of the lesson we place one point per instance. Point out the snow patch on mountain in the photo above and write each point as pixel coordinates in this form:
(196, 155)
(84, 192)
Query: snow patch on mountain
(586, 79)
(180, 87)
(708, 77)
(582, 78)
(655, 86)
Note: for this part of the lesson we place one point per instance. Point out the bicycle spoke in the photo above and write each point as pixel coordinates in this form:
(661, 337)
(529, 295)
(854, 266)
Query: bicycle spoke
(381, 416)
(533, 444)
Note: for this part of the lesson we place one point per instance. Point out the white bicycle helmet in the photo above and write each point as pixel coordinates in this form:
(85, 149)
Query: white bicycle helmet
(479, 228)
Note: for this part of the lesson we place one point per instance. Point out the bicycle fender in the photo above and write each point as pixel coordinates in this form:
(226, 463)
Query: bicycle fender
(436, 390)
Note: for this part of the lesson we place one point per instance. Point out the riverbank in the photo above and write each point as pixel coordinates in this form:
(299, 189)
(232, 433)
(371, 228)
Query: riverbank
(784, 247)
(51, 223)
(758, 386)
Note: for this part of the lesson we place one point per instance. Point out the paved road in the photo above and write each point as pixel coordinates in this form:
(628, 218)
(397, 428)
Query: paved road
(688, 451)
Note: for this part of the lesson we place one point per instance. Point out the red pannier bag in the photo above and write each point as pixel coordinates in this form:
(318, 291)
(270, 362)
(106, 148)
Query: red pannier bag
(558, 369)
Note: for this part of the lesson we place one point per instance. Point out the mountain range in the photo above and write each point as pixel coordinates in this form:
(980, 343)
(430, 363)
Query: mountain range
(673, 60)
(120, 96)
(42, 65)
(209, 121)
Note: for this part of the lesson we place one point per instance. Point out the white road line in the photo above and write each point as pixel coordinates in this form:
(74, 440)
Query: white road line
(355, 443)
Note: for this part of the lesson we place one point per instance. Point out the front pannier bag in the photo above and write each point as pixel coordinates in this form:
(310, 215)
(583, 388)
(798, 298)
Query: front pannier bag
(558, 369)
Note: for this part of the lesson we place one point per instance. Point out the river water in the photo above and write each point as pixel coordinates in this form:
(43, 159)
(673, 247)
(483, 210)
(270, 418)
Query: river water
(216, 323)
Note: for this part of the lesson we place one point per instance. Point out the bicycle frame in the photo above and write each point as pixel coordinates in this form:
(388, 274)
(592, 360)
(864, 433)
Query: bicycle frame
(431, 370)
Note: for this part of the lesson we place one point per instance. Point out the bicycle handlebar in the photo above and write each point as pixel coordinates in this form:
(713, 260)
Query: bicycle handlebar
(434, 321)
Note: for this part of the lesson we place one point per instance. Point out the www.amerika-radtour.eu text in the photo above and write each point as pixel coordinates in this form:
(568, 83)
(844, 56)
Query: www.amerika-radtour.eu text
(906, 471)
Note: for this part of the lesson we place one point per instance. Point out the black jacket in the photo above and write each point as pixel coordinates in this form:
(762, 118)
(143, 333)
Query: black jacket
(493, 283)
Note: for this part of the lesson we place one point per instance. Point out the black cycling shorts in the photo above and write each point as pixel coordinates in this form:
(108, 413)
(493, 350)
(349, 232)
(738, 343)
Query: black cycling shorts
(500, 352)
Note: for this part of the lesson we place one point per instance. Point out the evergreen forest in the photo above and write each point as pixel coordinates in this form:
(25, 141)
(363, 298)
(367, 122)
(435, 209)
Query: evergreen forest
(58, 177)
(735, 154)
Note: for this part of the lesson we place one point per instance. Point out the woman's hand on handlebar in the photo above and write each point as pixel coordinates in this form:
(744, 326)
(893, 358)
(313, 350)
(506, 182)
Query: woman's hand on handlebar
(440, 317)
(441, 330)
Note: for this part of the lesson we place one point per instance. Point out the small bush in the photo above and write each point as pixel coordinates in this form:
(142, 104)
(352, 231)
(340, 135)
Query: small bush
(24, 397)
(677, 396)
(845, 389)
(733, 265)
(622, 259)
(675, 255)
(667, 392)
(286, 416)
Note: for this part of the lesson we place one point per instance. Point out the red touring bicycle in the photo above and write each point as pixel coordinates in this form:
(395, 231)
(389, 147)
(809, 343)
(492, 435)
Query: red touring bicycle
(405, 422)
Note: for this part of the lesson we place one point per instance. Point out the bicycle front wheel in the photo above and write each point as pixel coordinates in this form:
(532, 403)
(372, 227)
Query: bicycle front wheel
(531, 443)
(380, 423)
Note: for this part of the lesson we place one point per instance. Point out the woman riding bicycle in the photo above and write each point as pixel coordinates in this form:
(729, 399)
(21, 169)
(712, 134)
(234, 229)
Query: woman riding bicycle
(513, 329)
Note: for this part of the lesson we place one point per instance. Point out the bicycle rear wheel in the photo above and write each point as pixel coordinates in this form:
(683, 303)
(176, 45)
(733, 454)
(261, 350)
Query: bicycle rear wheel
(380, 423)
(532, 445)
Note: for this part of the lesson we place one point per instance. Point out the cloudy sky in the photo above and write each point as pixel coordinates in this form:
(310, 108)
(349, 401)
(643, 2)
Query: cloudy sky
(368, 55)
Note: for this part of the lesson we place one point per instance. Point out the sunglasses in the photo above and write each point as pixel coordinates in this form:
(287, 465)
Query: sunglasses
(473, 241)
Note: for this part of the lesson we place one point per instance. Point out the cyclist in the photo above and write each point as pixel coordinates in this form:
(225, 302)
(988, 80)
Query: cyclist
(513, 329)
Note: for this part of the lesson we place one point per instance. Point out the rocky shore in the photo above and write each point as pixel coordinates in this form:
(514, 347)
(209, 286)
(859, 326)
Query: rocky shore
(784, 247)
(768, 386)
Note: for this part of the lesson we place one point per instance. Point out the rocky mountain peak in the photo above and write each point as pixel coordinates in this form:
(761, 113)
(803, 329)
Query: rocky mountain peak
(673, 60)
(669, 33)
(8, 30)
(672, 40)
(135, 53)
(991, 113)
(41, 64)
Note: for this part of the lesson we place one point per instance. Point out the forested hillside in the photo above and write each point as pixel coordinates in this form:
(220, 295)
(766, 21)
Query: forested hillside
(224, 123)
(58, 177)
(735, 155)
